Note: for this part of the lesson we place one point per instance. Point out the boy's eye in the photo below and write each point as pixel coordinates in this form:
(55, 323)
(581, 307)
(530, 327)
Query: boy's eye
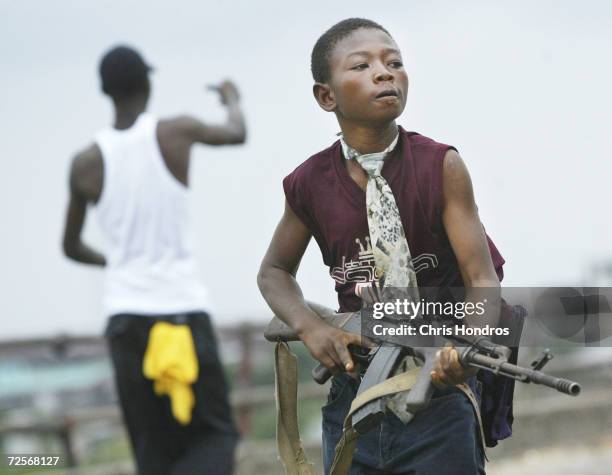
(396, 64)
(360, 66)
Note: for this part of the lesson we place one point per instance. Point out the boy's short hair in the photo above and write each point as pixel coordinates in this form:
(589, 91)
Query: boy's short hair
(319, 60)
(123, 72)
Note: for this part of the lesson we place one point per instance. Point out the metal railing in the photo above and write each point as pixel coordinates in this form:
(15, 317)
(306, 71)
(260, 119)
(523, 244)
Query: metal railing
(245, 398)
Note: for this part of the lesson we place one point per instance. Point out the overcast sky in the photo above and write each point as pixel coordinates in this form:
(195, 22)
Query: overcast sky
(521, 88)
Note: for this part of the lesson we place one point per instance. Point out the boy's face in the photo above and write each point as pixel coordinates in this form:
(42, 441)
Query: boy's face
(368, 83)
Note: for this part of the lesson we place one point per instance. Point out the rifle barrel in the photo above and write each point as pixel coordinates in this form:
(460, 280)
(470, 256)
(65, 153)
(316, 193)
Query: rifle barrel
(527, 375)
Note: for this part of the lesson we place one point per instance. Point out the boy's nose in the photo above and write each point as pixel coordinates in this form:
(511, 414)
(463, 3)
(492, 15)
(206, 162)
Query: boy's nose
(383, 75)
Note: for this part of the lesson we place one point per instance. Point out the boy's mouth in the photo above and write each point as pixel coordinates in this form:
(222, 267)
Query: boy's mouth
(387, 93)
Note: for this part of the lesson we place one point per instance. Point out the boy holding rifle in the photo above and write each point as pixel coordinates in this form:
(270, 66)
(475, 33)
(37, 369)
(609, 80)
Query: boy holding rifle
(384, 204)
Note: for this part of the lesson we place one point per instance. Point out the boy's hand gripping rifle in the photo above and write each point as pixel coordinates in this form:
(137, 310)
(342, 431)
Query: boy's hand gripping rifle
(383, 360)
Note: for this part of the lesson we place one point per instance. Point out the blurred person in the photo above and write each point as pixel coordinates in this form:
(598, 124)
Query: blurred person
(424, 213)
(135, 174)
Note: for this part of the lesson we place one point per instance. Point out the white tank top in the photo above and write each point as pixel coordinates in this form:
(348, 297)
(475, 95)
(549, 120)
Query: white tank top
(143, 211)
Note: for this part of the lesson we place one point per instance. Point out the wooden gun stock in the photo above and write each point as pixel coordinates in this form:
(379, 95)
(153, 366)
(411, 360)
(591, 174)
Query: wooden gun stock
(279, 330)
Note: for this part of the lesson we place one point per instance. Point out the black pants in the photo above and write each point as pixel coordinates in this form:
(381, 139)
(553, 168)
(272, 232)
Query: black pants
(160, 444)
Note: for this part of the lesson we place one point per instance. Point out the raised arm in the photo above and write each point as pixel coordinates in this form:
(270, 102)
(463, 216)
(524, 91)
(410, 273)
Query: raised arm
(81, 191)
(233, 131)
(278, 285)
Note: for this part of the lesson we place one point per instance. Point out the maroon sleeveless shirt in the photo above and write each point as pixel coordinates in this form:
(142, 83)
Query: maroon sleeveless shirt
(332, 206)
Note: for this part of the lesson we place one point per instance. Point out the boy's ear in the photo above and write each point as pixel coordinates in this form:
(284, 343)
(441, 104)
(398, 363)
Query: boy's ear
(324, 96)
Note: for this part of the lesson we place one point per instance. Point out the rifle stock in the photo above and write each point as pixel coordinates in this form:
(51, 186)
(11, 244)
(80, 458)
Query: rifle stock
(279, 330)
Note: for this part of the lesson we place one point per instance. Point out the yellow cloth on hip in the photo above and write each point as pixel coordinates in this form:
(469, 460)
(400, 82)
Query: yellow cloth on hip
(170, 361)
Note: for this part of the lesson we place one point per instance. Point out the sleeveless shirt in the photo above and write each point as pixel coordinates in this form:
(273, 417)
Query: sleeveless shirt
(143, 212)
(333, 207)
(327, 200)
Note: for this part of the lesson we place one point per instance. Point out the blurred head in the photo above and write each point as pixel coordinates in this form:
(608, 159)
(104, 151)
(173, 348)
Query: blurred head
(358, 72)
(124, 74)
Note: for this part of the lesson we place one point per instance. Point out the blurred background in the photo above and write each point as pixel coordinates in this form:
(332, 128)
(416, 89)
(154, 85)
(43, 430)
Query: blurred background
(520, 88)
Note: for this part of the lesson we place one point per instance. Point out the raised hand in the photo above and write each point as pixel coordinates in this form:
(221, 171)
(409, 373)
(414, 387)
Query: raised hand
(227, 91)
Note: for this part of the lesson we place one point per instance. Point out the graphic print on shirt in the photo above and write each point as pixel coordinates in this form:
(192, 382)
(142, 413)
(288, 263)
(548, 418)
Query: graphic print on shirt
(361, 269)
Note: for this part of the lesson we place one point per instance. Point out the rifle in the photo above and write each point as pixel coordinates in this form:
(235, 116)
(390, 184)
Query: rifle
(382, 361)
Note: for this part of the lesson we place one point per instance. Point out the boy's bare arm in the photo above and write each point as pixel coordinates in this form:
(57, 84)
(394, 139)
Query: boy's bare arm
(74, 247)
(469, 243)
(277, 283)
(463, 226)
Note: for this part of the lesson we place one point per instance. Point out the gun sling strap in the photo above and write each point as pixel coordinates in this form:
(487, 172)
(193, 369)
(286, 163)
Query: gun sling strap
(288, 440)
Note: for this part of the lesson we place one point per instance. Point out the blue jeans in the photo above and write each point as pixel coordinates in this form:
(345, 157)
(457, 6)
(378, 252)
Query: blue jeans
(443, 439)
